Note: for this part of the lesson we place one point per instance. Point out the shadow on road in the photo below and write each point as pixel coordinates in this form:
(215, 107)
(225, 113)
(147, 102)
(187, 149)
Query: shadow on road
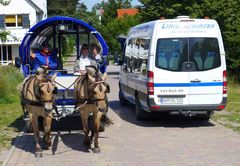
(156, 119)
(72, 140)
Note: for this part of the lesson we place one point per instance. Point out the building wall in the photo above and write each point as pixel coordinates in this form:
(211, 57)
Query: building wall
(37, 11)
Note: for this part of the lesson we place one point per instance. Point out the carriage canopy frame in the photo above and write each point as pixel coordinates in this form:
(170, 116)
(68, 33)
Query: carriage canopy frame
(51, 26)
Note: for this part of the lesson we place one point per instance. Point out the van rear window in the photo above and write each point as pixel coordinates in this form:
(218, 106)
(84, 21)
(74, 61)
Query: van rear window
(174, 53)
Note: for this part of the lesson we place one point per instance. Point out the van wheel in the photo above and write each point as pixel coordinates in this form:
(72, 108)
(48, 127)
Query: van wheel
(123, 101)
(141, 114)
(205, 117)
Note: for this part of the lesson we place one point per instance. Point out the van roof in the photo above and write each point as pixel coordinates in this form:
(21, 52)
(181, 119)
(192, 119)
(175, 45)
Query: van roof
(177, 19)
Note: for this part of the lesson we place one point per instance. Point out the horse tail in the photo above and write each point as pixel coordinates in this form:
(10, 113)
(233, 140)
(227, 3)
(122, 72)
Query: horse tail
(106, 120)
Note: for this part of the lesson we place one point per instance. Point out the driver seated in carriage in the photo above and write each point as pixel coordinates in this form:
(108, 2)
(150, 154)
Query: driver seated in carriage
(46, 58)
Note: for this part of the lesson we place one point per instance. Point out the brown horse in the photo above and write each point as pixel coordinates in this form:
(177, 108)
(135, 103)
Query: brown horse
(37, 98)
(90, 94)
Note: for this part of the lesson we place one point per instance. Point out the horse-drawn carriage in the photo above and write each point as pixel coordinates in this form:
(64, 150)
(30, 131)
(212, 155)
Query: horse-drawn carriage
(59, 31)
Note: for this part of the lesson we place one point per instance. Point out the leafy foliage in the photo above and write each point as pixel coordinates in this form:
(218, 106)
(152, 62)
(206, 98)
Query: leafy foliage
(5, 2)
(111, 26)
(3, 35)
(226, 13)
(116, 27)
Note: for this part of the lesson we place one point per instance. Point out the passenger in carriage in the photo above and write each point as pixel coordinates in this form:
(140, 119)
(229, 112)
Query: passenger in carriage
(45, 58)
(84, 60)
(95, 52)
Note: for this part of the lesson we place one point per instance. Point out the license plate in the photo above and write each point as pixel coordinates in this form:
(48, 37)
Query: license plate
(170, 100)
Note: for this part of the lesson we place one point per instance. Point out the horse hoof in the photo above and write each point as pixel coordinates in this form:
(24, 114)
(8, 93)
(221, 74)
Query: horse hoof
(38, 154)
(96, 150)
(46, 146)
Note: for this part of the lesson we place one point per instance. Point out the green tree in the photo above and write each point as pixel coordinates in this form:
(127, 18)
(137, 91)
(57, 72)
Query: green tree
(62, 7)
(5, 3)
(4, 33)
(154, 9)
(226, 13)
(116, 27)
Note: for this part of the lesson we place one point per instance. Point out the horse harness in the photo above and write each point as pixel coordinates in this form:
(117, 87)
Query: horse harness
(90, 99)
(36, 92)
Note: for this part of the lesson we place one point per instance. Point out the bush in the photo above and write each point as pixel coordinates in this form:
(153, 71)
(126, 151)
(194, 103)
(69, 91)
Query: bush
(10, 77)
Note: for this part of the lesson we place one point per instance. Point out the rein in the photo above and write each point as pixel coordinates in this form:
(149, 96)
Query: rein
(91, 99)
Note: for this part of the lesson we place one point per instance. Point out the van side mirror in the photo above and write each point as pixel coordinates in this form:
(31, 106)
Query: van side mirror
(18, 62)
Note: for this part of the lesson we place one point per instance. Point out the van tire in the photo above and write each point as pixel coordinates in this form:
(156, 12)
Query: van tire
(205, 117)
(140, 114)
(122, 100)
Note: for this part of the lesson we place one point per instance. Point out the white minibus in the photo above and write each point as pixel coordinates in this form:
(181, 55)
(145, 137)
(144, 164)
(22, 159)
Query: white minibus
(174, 65)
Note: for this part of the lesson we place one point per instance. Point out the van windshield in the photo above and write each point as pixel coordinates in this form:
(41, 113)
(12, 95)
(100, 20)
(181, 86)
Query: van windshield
(191, 54)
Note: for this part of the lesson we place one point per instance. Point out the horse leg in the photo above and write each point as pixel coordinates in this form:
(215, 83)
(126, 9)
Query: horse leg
(97, 120)
(47, 121)
(38, 151)
(84, 119)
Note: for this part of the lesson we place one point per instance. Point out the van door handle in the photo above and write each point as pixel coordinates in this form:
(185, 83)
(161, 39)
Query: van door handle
(196, 80)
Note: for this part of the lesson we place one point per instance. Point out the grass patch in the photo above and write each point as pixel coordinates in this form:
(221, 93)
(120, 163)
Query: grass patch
(11, 112)
(10, 78)
(11, 123)
(230, 117)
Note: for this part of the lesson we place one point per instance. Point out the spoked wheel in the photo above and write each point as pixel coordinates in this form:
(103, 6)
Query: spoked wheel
(141, 114)
(123, 101)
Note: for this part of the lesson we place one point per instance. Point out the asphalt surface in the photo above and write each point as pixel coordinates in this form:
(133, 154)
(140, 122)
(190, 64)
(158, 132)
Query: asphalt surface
(162, 140)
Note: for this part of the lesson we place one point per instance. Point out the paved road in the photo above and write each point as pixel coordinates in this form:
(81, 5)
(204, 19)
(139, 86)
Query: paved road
(160, 141)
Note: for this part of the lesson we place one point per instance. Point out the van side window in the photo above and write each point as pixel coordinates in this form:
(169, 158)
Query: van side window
(128, 53)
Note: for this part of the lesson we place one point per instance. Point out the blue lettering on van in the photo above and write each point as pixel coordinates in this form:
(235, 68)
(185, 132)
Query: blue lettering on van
(170, 26)
(191, 26)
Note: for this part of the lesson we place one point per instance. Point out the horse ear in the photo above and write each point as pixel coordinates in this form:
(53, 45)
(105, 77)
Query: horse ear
(54, 76)
(91, 78)
(104, 76)
(108, 88)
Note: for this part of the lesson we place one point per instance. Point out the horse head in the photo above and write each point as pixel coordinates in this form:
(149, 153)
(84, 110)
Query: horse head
(46, 90)
(98, 87)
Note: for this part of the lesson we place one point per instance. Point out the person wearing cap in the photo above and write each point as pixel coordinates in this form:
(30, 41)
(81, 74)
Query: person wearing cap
(44, 58)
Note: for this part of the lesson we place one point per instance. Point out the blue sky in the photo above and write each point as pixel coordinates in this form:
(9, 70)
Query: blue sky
(90, 3)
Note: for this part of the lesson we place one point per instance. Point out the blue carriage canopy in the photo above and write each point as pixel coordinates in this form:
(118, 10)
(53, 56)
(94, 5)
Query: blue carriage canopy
(50, 27)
